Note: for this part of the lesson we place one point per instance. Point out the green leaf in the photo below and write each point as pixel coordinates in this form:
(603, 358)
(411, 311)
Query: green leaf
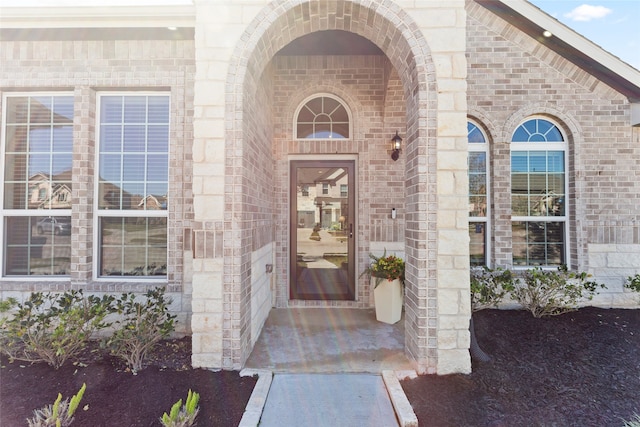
(192, 402)
(75, 400)
(56, 406)
(175, 410)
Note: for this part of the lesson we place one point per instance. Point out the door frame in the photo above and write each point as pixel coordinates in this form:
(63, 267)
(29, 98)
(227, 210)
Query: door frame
(350, 162)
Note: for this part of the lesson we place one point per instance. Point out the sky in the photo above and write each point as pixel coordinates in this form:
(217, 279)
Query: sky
(613, 25)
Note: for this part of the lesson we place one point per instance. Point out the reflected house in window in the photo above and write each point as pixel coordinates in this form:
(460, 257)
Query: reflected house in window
(322, 198)
(116, 198)
(50, 192)
(113, 197)
(152, 202)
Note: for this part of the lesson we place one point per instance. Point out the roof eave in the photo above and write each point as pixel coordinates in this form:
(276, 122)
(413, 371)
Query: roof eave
(182, 16)
(619, 74)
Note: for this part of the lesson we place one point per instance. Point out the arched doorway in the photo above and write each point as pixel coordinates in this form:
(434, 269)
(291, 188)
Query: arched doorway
(259, 145)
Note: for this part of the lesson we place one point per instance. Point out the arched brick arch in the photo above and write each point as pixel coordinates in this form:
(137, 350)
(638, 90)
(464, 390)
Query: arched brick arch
(398, 36)
(570, 125)
(487, 123)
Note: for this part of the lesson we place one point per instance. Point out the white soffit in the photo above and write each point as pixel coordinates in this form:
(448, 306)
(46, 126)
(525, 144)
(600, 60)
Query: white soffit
(98, 17)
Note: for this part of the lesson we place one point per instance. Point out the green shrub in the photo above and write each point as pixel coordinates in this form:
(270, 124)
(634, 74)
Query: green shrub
(52, 327)
(59, 414)
(182, 415)
(5, 307)
(141, 327)
(489, 286)
(633, 283)
(8, 304)
(553, 292)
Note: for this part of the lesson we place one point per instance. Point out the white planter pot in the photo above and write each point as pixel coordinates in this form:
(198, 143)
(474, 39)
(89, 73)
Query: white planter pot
(388, 300)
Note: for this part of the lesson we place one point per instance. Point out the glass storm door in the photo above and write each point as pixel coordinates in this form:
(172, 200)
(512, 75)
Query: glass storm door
(322, 230)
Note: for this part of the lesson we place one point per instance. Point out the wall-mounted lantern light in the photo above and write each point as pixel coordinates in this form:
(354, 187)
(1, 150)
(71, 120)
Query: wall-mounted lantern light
(396, 145)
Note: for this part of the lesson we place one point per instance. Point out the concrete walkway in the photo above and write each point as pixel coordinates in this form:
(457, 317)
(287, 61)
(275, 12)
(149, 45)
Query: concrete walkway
(332, 400)
(337, 400)
(328, 367)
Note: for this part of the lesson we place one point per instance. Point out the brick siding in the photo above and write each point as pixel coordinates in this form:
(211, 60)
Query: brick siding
(85, 67)
(512, 76)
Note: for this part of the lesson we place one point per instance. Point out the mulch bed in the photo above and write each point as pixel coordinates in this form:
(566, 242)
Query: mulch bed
(116, 397)
(577, 369)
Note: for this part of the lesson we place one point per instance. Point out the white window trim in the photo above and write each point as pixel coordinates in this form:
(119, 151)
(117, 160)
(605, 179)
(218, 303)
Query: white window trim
(546, 146)
(99, 213)
(21, 212)
(477, 147)
(320, 95)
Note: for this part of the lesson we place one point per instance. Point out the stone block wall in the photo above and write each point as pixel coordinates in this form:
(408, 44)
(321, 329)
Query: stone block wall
(261, 292)
(233, 172)
(425, 42)
(441, 202)
(612, 263)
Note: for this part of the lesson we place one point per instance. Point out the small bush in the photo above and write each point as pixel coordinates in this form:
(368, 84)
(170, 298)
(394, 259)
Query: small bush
(142, 326)
(182, 415)
(52, 327)
(5, 306)
(8, 304)
(60, 414)
(633, 283)
(489, 287)
(549, 292)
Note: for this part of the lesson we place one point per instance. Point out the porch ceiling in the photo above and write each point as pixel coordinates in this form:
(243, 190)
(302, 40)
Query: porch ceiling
(333, 42)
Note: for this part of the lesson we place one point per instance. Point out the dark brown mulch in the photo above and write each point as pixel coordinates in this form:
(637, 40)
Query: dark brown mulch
(115, 397)
(577, 369)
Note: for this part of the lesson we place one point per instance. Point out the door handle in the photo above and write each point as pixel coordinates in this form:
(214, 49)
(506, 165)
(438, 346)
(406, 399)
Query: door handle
(350, 231)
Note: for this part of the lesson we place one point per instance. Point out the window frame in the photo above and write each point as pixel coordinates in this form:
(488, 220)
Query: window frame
(481, 147)
(99, 213)
(26, 213)
(315, 96)
(543, 147)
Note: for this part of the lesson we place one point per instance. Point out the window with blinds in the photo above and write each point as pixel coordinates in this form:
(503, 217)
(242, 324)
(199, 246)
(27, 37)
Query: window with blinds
(539, 194)
(37, 184)
(133, 175)
(478, 162)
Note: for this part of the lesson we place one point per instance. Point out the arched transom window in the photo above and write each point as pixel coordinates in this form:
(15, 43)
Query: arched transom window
(539, 194)
(322, 117)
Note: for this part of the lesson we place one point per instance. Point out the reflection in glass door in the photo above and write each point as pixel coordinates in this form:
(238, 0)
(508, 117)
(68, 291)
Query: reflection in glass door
(322, 230)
